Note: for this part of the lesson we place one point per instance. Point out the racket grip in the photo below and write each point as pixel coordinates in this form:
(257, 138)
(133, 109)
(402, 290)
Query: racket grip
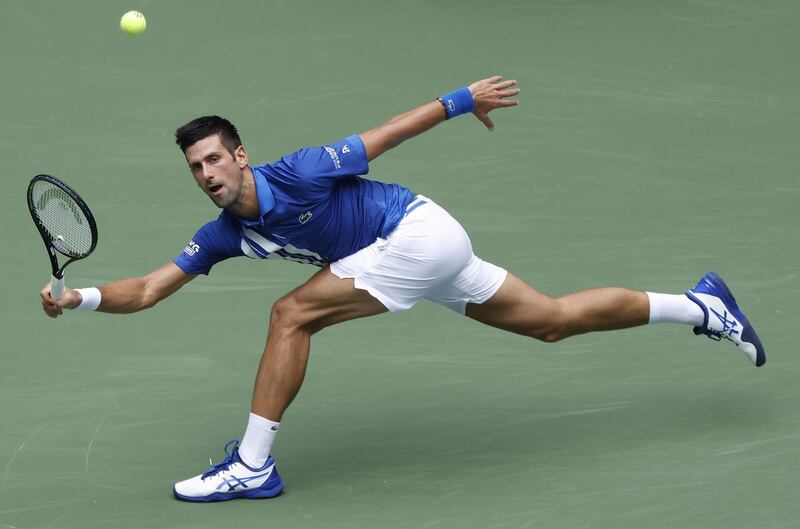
(56, 287)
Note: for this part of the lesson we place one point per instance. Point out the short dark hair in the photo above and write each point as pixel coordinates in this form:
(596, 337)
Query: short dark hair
(206, 126)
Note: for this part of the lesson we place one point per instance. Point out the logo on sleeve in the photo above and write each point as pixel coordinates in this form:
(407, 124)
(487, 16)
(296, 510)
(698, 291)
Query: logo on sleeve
(345, 149)
(305, 217)
(191, 248)
(334, 156)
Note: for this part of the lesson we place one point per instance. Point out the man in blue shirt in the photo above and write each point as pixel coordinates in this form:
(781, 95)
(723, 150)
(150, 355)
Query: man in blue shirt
(311, 208)
(379, 247)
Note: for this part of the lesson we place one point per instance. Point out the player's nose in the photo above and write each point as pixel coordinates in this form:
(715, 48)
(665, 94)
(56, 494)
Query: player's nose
(206, 173)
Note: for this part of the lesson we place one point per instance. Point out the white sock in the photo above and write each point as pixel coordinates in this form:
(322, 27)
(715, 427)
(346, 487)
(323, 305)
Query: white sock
(257, 442)
(674, 308)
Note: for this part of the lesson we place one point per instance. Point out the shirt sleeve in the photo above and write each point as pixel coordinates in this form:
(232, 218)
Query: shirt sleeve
(212, 243)
(322, 166)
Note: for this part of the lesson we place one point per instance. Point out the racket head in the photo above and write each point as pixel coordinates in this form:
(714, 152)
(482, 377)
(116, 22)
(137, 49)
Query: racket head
(63, 219)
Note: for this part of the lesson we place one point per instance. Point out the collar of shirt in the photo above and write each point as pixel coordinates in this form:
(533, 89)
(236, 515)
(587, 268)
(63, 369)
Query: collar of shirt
(266, 201)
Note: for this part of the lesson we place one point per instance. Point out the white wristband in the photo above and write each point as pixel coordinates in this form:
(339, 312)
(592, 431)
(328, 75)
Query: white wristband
(90, 298)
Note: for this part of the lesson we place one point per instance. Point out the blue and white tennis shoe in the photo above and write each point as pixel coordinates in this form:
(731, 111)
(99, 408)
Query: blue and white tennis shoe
(723, 318)
(230, 479)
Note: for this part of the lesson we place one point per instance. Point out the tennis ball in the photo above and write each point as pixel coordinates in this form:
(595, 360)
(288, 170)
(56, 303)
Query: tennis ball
(132, 23)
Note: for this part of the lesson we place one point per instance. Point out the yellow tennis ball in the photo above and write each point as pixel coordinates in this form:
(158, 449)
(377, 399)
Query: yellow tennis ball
(132, 23)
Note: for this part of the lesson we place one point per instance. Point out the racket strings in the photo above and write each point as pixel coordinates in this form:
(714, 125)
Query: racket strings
(63, 219)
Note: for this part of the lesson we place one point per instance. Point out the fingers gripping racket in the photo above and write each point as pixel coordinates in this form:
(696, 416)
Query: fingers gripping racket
(64, 222)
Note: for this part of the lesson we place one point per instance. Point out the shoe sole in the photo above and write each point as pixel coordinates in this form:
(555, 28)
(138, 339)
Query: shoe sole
(252, 494)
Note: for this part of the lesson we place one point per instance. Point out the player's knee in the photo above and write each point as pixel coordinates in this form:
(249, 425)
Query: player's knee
(552, 335)
(286, 314)
(556, 324)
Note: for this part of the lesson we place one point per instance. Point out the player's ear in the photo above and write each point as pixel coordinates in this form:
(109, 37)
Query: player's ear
(240, 154)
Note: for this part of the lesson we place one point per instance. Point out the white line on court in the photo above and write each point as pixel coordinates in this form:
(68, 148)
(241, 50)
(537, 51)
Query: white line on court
(91, 442)
(14, 456)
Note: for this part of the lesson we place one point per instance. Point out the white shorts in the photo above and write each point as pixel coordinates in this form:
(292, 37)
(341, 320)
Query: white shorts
(427, 256)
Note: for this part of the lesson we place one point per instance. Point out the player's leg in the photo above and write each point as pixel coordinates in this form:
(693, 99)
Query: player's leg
(520, 308)
(423, 253)
(709, 308)
(318, 303)
(249, 470)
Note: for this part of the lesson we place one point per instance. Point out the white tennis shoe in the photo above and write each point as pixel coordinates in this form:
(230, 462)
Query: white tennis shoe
(231, 479)
(724, 319)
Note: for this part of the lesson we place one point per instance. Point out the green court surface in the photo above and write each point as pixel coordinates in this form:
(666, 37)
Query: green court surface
(655, 141)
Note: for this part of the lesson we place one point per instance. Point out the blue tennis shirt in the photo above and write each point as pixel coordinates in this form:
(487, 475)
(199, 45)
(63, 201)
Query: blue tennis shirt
(313, 208)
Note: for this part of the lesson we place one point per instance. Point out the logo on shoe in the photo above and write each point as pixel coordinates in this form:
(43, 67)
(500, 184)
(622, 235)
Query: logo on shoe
(235, 483)
(728, 325)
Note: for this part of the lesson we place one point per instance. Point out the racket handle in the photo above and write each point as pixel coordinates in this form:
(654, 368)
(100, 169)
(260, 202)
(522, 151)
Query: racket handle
(56, 287)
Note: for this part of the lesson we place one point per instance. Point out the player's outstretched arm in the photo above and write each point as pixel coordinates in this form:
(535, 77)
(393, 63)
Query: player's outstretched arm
(123, 296)
(486, 95)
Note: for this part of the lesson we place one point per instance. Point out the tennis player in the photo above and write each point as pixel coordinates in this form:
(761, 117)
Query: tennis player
(380, 247)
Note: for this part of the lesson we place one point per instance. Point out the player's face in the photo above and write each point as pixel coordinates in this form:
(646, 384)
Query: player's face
(217, 172)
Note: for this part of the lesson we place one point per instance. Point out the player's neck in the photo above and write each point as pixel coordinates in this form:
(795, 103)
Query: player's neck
(247, 206)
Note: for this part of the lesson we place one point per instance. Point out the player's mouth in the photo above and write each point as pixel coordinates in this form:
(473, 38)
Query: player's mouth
(215, 189)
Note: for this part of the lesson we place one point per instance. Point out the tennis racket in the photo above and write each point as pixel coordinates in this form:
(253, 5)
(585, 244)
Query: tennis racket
(64, 222)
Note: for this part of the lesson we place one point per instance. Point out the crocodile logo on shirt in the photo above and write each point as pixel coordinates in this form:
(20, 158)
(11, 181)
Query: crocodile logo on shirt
(305, 217)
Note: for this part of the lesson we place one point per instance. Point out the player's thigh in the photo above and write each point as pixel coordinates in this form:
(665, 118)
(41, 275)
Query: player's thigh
(324, 300)
(517, 307)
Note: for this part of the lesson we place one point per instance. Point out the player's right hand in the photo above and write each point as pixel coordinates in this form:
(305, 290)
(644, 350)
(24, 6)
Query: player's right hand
(55, 307)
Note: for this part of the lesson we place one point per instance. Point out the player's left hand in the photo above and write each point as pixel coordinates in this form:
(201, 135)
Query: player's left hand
(492, 93)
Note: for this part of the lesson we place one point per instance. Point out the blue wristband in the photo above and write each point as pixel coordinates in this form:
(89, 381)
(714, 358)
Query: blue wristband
(458, 102)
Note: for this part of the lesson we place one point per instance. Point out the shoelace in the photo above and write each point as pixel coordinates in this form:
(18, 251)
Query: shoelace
(225, 463)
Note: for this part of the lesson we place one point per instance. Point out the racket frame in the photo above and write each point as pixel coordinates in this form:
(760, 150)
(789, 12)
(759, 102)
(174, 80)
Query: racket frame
(57, 278)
